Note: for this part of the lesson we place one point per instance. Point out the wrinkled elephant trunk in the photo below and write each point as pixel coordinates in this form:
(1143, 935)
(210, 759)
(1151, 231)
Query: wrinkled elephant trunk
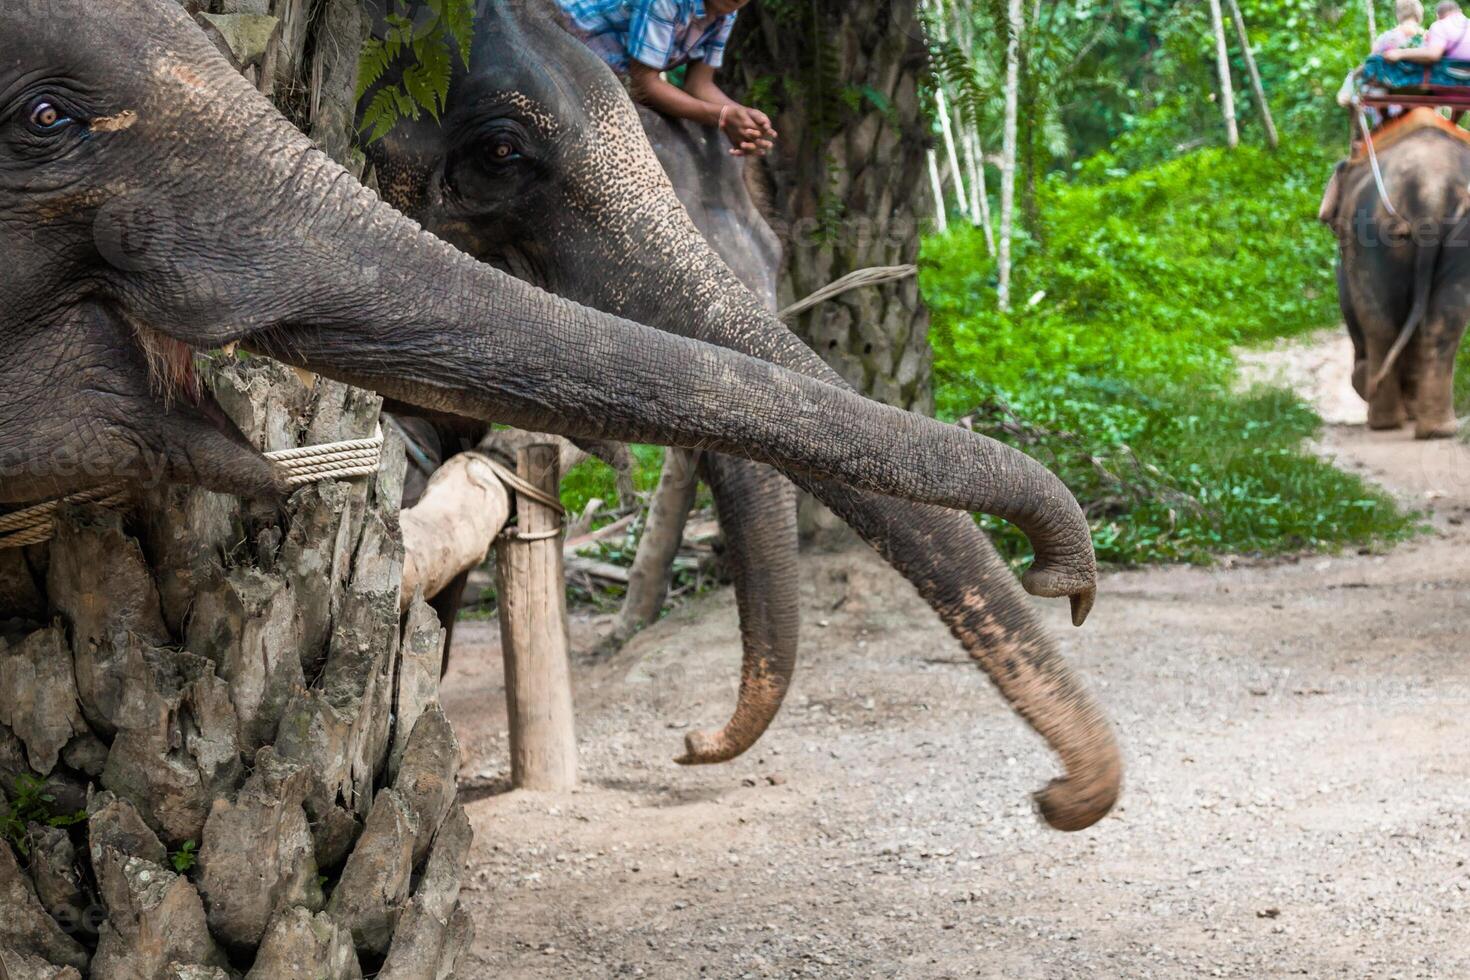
(757, 509)
(942, 552)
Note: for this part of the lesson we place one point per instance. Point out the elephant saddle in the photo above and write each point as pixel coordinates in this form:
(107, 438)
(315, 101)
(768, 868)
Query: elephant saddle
(1412, 121)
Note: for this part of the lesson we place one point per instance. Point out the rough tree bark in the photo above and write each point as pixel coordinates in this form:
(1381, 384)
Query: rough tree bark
(850, 176)
(221, 692)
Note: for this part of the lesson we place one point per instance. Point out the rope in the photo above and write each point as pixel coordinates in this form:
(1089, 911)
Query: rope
(310, 464)
(530, 491)
(877, 276)
(1373, 162)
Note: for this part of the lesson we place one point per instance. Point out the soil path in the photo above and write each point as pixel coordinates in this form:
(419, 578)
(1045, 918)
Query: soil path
(1298, 737)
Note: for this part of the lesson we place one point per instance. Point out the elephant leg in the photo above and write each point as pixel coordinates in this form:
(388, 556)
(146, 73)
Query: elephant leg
(1386, 406)
(1434, 380)
(1355, 332)
(958, 572)
(663, 533)
(447, 605)
(757, 510)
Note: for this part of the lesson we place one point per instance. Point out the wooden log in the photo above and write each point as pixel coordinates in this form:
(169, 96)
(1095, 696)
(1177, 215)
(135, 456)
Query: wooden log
(453, 526)
(534, 634)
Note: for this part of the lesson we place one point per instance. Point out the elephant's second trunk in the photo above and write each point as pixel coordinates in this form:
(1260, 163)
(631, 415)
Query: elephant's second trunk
(757, 509)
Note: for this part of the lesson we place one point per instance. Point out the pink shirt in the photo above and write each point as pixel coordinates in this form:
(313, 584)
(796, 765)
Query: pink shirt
(1454, 32)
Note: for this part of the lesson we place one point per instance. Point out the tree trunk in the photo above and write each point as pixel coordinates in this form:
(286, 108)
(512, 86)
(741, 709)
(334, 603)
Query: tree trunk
(1015, 28)
(849, 176)
(1255, 73)
(663, 534)
(1222, 64)
(222, 754)
(1372, 22)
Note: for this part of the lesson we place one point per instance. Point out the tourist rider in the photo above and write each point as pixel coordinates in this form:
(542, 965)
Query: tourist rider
(644, 39)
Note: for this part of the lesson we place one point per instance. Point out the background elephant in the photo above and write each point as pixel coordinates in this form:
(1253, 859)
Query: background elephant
(540, 167)
(1404, 276)
(756, 506)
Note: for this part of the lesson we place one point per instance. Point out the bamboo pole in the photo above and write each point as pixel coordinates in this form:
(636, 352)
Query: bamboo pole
(947, 129)
(943, 109)
(1227, 89)
(534, 635)
(982, 196)
(941, 216)
(1255, 73)
(974, 152)
(1015, 26)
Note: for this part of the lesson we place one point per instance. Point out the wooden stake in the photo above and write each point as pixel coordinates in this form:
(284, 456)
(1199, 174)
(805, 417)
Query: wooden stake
(534, 635)
(1227, 89)
(1255, 73)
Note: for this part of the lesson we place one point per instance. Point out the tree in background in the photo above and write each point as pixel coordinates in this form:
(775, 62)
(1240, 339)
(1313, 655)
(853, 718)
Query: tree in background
(842, 79)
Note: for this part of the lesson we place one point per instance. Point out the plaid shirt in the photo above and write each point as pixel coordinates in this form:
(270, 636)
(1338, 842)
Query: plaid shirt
(661, 34)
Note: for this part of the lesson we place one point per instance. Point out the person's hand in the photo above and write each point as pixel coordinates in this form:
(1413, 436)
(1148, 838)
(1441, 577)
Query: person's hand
(1393, 54)
(749, 130)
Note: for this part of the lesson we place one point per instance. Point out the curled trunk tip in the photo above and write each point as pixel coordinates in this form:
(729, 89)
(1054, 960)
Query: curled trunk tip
(1090, 790)
(760, 702)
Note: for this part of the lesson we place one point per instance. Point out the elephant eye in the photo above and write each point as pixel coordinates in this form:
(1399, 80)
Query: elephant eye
(502, 151)
(46, 117)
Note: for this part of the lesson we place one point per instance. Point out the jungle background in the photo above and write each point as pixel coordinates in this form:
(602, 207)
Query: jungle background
(1147, 253)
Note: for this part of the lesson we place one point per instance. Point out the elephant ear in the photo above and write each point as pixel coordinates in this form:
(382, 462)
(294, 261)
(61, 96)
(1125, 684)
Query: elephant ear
(1332, 207)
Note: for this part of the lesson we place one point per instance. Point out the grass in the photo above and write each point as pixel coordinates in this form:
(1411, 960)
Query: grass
(1117, 369)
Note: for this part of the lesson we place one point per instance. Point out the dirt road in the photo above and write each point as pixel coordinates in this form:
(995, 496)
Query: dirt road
(1298, 738)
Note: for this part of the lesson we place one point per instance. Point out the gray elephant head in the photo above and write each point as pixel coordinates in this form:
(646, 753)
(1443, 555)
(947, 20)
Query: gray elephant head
(540, 166)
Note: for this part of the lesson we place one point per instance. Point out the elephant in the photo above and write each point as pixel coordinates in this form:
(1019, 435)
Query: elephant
(755, 504)
(260, 240)
(1403, 272)
(539, 166)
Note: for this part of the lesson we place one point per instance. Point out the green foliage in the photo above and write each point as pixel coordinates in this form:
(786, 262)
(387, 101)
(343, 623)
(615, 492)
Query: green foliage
(184, 859)
(595, 479)
(1119, 373)
(31, 804)
(425, 45)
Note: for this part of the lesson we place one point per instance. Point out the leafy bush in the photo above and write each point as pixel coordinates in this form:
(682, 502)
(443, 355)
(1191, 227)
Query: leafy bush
(1117, 370)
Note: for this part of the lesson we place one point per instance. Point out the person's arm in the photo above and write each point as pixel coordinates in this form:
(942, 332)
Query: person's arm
(650, 88)
(1432, 51)
(700, 83)
(754, 128)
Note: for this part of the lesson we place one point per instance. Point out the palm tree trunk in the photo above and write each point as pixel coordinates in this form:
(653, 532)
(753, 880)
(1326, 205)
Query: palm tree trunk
(849, 180)
(220, 749)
